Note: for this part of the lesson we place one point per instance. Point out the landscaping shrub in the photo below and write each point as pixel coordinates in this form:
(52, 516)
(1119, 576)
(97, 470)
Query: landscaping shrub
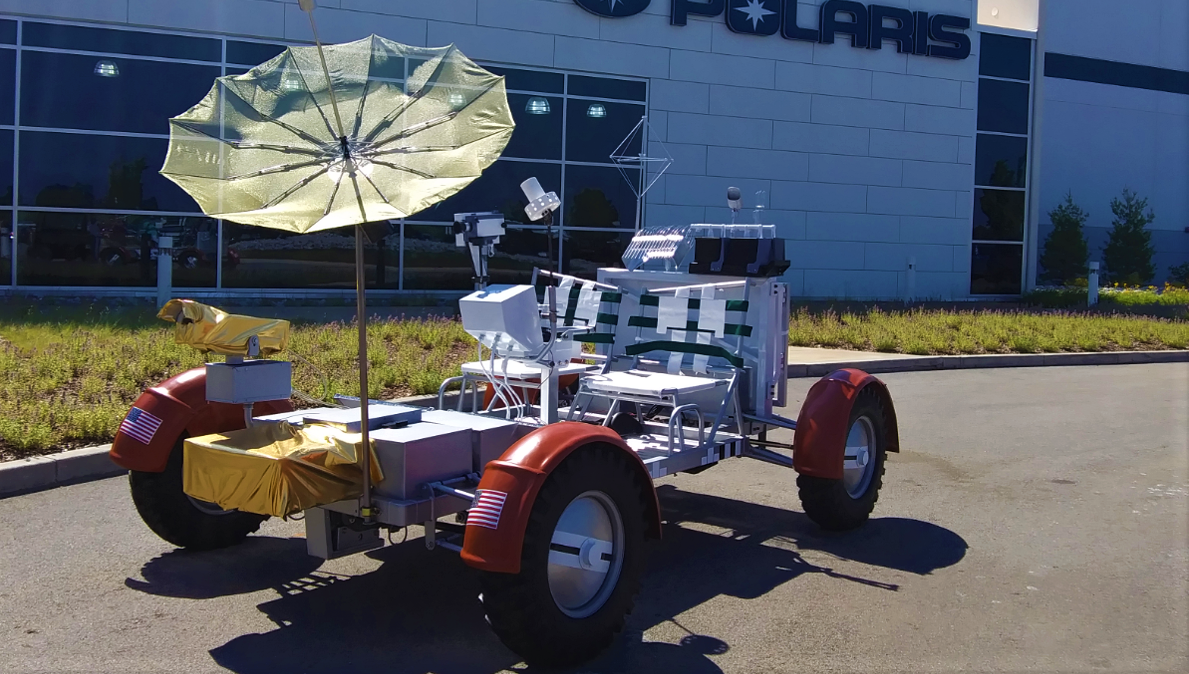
(1065, 249)
(1128, 253)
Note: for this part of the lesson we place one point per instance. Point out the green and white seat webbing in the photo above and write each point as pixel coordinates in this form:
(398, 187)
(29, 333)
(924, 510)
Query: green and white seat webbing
(583, 302)
(680, 335)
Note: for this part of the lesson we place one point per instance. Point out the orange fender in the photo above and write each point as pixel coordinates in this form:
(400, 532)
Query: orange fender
(820, 439)
(519, 474)
(181, 405)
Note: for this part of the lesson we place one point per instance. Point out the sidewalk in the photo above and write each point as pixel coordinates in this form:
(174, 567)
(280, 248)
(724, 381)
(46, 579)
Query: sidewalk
(808, 362)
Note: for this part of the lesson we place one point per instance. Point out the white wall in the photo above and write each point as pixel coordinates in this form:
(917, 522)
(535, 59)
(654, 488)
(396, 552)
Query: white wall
(1098, 138)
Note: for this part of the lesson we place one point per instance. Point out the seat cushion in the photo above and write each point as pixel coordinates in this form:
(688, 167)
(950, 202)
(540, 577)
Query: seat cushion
(518, 369)
(638, 382)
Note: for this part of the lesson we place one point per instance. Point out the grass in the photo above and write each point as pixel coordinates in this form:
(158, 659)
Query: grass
(1113, 296)
(71, 373)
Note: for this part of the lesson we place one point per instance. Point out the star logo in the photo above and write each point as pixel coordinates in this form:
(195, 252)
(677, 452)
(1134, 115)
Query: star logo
(613, 8)
(755, 11)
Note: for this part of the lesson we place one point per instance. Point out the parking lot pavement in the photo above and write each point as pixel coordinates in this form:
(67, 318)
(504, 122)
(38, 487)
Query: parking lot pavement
(1037, 520)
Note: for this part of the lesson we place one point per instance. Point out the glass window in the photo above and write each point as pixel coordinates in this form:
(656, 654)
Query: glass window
(995, 269)
(594, 129)
(8, 78)
(101, 249)
(257, 257)
(585, 252)
(998, 215)
(252, 53)
(8, 32)
(136, 43)
(1000, 161)
(109, 172)
(1004, 56)
(6, 168)
(606, 87)
(1002, 106)
(498, 189)
(599, 197)
(433, 262)
(71, 91)
(538, 127)
(530, 80)
(6, 248)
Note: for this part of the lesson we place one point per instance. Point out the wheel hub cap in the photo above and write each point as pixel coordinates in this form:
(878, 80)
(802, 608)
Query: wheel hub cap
(857, 465)
(585, 554)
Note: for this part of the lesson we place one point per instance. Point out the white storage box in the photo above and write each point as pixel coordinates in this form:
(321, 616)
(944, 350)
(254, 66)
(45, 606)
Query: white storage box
(251, 381)
(490, 436)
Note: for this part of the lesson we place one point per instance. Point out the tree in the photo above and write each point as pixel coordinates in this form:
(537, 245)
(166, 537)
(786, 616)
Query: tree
(1065, 250)
(1128, 252)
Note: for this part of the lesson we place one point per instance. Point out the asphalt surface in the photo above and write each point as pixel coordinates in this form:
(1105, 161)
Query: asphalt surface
(1037, 521)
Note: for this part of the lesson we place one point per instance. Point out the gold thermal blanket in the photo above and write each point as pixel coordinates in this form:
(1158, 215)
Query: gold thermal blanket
(212, 330)
(274, 468)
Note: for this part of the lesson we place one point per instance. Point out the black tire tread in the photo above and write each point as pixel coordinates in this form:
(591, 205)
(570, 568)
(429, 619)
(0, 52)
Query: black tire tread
(168, 512)
(513, 602)
(825, 501)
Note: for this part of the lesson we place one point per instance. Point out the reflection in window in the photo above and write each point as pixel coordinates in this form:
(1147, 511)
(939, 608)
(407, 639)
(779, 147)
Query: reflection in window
(1000, 161)
(498, 189)
(71, 91)
(586, 252)
(599, 196)
(530, 80)
(433, 262)
(537, 136)
(256, 257)
(608, 87)
(6, 168)
(6, 248)
(996, 269)
(1002, 106)
(594, 138)
(253, 53)
(137, 43)
(103, 249)
(85, 171)
(8, 74)
(1005, 56)
(998, 215)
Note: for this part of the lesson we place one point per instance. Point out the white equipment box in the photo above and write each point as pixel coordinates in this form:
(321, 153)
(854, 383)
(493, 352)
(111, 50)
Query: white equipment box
(490, 436)
(251, 381)
(504, 318)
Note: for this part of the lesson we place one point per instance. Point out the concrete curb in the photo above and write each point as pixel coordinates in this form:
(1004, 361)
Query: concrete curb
(43, 472)
(78, 465)
(926, 363)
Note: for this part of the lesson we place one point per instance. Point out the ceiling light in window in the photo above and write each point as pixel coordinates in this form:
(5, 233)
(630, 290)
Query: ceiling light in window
(597, 110)
(107, 69)
(537, 106)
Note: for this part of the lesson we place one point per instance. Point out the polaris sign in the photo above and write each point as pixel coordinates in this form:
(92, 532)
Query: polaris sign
(867, 26)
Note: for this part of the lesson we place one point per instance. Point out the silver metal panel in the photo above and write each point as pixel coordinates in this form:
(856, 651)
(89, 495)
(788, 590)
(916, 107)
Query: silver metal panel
(378, 416)
(417, 454)
(490, 436)
(251, 381)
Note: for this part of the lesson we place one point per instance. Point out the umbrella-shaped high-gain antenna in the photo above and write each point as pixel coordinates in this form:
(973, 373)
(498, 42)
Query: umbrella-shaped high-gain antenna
(350, 168)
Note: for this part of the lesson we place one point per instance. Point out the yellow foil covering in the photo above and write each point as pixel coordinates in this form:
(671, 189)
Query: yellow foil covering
(212, 330)
(275, 468)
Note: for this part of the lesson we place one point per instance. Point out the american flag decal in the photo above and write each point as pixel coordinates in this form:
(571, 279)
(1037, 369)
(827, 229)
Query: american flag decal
(140, 425)
(485, 511)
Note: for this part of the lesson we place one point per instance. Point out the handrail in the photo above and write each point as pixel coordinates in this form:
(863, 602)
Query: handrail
(676, 425)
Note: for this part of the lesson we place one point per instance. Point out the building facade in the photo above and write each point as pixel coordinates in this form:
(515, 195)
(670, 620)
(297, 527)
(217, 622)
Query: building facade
(877, 138)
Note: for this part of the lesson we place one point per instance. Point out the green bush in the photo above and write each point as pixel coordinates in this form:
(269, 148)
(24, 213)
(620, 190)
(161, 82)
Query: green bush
(1065, 249)
(1179, 274)
(1128, 253)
